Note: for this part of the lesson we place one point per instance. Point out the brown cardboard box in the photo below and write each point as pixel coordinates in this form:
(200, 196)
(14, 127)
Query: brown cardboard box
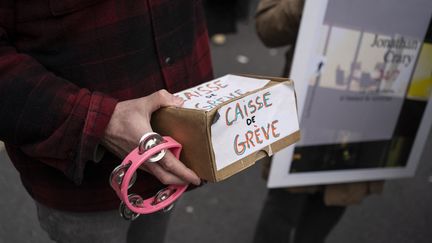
(193, 129)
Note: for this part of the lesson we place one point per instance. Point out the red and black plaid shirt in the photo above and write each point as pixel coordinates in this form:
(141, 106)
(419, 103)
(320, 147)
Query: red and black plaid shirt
(64, 64)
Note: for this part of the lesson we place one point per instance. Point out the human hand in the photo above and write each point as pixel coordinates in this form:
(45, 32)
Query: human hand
(130, 120)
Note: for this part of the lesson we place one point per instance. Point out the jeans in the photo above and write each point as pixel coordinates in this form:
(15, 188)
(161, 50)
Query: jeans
(295, 218)
(101, 227)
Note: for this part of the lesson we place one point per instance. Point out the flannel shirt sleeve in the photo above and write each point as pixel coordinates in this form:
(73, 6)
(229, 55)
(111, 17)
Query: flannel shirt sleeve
(43, 115)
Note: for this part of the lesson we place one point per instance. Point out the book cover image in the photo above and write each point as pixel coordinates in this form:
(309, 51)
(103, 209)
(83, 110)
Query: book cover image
(365, 103)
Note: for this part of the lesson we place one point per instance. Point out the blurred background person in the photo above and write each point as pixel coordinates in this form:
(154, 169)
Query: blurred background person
(223, 16)
(299, 214)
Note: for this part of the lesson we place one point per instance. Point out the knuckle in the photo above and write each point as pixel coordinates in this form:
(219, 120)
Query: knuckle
(163, 93)
(168, 165)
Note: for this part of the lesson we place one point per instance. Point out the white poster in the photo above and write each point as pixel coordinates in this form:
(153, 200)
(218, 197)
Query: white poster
(353, 67)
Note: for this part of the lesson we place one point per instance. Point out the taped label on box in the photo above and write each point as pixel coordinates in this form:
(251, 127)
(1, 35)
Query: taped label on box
(250, 124)
(213, 93)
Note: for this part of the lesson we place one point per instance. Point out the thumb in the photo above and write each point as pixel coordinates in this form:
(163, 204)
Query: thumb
(163, 98)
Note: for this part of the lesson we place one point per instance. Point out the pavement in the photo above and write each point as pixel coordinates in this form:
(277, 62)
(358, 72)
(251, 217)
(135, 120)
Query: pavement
(228, 211)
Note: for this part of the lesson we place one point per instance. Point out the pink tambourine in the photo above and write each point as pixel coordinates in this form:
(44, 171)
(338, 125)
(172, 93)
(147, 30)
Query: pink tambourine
(151, 149)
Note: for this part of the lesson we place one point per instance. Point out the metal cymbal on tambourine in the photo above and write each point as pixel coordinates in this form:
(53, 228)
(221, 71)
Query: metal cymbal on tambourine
(125, 212)
(148, 141)
(118, 173)
(152, 148)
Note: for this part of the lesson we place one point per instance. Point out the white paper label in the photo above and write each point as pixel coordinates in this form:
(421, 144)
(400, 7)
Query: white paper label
(213, 93)
(253, 122)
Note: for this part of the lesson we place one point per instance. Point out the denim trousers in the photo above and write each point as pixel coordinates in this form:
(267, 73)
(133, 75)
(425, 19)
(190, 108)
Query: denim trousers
(98, 227)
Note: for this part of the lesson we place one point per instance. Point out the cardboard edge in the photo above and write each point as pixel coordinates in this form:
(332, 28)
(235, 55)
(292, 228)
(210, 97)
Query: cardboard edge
(160, 123)
(272, 78)
(209, 120)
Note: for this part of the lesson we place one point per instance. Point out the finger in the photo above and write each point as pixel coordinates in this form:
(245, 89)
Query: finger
(162, 175)
(163, 98)
(171, 164)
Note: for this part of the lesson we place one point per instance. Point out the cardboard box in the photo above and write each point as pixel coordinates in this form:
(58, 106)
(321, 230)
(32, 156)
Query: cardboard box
(229, 123)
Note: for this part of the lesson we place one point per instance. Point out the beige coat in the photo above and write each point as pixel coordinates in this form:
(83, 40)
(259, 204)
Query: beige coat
(277, 23)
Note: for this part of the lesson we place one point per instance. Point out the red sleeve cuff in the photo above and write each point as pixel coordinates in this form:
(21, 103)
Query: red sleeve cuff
(98, 116)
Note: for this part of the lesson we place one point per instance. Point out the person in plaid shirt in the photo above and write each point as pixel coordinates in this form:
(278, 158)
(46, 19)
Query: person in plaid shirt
(79, 80)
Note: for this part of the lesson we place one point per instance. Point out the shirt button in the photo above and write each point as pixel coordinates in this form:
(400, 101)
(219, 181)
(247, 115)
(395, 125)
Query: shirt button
(169, 60)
